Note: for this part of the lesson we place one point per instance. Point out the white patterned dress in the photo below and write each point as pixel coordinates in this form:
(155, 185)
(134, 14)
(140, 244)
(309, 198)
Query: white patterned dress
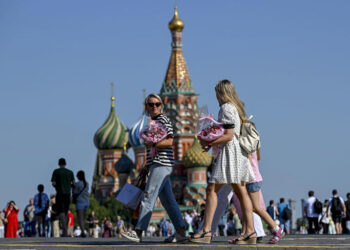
(231, 164)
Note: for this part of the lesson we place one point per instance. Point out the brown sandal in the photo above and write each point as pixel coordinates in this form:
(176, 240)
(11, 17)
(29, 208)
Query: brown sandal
(247, 240)
(202, 238)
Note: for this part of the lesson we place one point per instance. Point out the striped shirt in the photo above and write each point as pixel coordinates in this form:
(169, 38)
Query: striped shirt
(163, 156)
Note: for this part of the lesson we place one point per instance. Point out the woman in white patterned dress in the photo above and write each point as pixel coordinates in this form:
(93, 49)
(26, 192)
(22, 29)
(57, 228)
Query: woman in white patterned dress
(232, 166)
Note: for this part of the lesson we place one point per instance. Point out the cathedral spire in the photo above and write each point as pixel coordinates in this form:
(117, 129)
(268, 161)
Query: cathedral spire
(177, 79)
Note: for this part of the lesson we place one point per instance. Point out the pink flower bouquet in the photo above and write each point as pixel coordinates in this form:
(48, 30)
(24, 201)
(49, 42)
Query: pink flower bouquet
(209, 129)
(153, 133)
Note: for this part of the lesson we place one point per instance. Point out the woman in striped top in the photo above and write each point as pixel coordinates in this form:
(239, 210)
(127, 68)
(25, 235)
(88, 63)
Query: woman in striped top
(158, 185)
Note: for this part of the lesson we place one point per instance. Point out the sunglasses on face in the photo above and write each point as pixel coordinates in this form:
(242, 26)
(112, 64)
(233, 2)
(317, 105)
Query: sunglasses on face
(152, 104)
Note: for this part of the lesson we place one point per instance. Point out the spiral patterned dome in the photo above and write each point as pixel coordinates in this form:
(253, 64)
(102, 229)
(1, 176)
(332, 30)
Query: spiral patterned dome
(113, 133)
(134, 132)
(195, 157)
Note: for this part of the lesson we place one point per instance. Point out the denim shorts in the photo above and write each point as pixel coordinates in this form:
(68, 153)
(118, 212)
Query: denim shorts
(254, 187)
(82, 206)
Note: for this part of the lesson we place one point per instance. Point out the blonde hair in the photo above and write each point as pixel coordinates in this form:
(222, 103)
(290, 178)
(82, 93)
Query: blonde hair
(226, 92)
(145, 102)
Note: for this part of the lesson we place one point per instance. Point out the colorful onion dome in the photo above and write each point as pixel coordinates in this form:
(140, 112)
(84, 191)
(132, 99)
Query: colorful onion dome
(176, 24)
(124, 164)
(134, 132)
(195, 157)
(113, 133)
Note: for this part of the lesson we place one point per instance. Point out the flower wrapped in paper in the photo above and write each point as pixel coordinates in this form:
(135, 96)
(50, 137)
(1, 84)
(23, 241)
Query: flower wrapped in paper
(153, 133)
(208, 129)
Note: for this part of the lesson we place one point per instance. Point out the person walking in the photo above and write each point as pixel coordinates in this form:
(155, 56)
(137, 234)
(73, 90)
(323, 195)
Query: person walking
(2, 226)
(120, 226)
(325, 217)
(272, 210)
(231, 163)
(70, 223)
(63, 181)
(92, 221)
(55, 231)
(81, 191)
(160, 166)
(11, 215)
(254, 191)
(29, 219)
(338, 210)
(347, 214)
(41, 203)
(311, 215)
(284, 216)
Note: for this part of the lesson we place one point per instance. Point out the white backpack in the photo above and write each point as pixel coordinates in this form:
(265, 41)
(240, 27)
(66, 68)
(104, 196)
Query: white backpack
(249, 138)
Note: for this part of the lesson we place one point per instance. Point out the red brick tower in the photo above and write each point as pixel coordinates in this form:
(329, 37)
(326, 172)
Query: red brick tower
(180, 103)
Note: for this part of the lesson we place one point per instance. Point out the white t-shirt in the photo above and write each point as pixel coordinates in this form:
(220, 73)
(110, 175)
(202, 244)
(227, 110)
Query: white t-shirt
(309, 204)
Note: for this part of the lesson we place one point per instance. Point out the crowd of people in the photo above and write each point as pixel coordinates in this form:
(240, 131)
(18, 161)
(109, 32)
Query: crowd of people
(330, 217)
(233, 176)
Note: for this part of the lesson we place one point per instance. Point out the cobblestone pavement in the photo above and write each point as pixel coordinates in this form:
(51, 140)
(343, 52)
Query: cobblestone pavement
(288, 242)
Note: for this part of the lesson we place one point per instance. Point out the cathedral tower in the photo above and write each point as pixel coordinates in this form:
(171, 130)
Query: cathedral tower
(180, 103)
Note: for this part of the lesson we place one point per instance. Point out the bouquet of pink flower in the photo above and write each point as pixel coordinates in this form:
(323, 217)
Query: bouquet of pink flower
(153, 133)
(208, 129)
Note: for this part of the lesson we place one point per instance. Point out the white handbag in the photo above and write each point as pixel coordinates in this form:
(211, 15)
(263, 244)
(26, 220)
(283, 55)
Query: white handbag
(130, 196)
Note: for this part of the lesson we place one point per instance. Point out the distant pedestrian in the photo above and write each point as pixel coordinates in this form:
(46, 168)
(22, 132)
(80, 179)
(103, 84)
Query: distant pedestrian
(284, 216)
(272, 210)
(92, 221)
(55, 231)
(81, 190)
(120, 226)
(29, 219)
(63, 180)
(41, 203)
(107, 226)
(338, 210)
(11, 215)
(2, 226)
(164, 225)
(325, 217)
(70, 223)
(347, 215)
(311, 215)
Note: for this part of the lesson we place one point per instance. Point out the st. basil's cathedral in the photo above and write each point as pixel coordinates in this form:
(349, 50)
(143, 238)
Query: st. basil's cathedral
(113, 166)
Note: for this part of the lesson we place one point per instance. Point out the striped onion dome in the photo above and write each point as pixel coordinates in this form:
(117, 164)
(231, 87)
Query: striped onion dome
(113, 133)
(195, 157)
(134, 132)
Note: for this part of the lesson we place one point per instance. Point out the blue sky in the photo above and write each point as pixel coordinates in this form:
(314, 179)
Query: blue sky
(289, 61)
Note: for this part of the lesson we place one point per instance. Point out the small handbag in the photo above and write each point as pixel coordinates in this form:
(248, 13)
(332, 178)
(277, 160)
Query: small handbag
(131, 195)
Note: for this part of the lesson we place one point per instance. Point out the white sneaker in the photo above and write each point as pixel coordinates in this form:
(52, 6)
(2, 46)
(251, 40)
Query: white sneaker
(175, 238)
(131, 236)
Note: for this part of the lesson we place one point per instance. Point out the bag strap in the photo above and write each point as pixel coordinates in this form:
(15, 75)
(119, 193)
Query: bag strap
(81, 190)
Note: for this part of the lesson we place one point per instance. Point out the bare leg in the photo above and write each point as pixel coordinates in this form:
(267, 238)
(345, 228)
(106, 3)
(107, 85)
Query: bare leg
(247, 207)
(255, 198)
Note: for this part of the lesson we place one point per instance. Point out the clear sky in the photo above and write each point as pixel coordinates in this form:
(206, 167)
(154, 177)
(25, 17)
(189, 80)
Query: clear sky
(288, 59)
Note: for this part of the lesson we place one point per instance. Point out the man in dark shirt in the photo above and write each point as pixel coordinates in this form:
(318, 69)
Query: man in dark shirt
(92, 221)
(63, 180)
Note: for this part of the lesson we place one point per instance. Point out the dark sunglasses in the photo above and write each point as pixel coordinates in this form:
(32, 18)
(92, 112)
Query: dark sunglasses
(152, 104)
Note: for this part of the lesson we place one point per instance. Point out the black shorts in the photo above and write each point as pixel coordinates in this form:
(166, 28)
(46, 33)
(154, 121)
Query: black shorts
(337, 218)
(62, 203)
